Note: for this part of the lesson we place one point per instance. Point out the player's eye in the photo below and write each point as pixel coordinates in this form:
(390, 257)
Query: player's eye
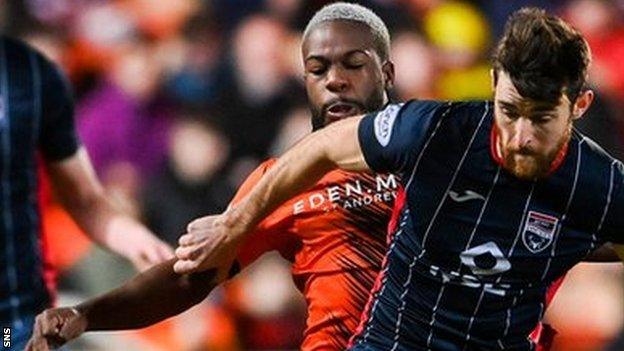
(317, 70)
(512, 115)
(354, 65)
(541, 119)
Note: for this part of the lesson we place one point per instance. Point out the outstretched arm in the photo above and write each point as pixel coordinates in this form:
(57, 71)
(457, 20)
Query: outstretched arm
(149, 297)
(336, 146)
(82, 194)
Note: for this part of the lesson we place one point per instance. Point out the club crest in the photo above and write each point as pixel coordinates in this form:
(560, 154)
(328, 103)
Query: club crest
(539, 231)
(384, 122)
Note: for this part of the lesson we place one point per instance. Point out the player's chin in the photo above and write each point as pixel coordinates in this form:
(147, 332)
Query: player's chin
(526, 167)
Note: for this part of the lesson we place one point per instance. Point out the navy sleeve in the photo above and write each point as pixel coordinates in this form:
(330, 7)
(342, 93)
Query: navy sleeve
(57, 138)
(392, 138)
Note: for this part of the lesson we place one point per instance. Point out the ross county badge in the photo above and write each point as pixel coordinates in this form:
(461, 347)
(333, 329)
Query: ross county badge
(539, 231)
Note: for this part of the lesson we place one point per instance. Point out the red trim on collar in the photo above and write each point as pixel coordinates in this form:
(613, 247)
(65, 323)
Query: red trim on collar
(554, 166)
(493, 140)
(558, 161)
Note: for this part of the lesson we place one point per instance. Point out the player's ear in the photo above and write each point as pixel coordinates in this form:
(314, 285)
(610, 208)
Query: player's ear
(388, 74)
(493, 78)
(582, 103)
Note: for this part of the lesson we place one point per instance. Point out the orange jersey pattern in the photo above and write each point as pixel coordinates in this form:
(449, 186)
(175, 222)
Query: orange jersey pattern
(335, 236)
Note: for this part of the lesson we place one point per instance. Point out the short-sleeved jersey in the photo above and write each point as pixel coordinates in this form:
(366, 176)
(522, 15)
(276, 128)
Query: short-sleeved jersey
(335, 236)
(475, 249)
(36, 118)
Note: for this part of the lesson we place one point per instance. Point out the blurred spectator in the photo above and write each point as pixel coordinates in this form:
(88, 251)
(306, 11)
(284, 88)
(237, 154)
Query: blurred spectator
(415, 60)
(285, 11)
(159, 19)
(231, 12)
(194, 60)
(603, 26)
(268, 311)
(190, 185)
(296, 125)
(498, 11)
(260, 91)
(460, 35)
(122, 121)
(601, 23)
(604, 125)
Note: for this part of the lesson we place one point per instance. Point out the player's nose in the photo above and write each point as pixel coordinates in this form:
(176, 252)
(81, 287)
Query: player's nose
(337, 80)
(523, 132)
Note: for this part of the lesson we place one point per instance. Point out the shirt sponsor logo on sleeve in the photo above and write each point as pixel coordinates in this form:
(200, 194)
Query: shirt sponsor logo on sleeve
(384, 122)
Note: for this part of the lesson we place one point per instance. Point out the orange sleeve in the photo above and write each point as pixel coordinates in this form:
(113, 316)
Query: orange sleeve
(275, 232)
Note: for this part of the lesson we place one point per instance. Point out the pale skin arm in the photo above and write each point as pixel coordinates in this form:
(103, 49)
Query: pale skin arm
(74, 181)
(209, 243)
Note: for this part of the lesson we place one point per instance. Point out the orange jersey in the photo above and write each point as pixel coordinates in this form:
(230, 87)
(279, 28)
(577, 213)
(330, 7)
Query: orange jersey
(335, 236)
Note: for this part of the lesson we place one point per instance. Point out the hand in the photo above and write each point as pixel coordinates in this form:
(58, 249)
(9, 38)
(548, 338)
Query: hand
(56, 326)
(148, 251)
(139, 245)
(210, 242)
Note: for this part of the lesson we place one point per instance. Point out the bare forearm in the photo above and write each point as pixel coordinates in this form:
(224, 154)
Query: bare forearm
(291, 175)
(300, 168)
(81, 193)
(150, 297)
(210, 242)
(97, 217)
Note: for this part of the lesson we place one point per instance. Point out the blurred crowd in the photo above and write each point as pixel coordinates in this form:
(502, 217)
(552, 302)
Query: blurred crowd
(178, 100)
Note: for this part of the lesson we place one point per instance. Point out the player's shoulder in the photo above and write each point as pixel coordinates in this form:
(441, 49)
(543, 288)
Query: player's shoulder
(17, 50)
(336, 174)
(456, 117)
(11, 43)
(453, 110)
(595, 154)
(17, 46)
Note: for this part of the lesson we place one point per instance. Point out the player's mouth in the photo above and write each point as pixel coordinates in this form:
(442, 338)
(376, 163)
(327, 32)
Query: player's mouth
(340, 110)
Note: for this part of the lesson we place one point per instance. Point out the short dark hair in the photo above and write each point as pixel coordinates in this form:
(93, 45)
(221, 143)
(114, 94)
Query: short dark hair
(543, 55)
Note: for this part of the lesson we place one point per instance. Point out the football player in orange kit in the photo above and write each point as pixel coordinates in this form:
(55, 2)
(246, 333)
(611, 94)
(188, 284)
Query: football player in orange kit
(334, 234)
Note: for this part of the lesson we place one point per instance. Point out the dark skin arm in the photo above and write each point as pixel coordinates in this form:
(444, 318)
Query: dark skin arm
(148, 298)
(605, 253)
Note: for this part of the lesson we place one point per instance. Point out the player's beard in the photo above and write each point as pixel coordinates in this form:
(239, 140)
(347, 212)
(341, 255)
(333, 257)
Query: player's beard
(527, 164)
(373, 103)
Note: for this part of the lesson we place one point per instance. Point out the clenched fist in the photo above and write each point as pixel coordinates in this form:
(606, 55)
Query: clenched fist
(56, 326)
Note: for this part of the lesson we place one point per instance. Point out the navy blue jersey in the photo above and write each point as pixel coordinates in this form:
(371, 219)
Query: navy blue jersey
(476, 248)
(36, 117)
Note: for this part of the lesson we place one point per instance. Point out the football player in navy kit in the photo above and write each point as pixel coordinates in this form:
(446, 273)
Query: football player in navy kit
(501, 198)
(37, 131)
